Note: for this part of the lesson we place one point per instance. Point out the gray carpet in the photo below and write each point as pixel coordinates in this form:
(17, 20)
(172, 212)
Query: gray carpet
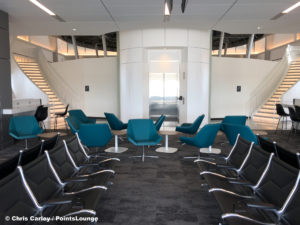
(164, 191)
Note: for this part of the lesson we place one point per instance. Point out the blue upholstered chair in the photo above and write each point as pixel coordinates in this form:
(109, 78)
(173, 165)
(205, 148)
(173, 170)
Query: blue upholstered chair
(24, 127)
(236, 120)
(141, 132)
(159, 122)
(79, 114)
(191, 128)
(73, 123)
(94, 135)
(231, 131)
(203, 139)
(114, 122)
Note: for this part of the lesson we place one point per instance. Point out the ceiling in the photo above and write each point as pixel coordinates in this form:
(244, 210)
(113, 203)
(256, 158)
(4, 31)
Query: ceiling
(94, 17)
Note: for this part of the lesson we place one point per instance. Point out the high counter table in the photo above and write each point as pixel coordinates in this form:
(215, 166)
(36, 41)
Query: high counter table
(117, 149)
(167, 149)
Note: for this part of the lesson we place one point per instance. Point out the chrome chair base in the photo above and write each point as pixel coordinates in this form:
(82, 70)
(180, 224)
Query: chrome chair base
(143, 156)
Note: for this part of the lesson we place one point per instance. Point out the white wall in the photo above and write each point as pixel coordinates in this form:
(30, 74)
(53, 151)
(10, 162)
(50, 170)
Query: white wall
(134, 45)
(101, 74)
(292, 93)
(227, 73)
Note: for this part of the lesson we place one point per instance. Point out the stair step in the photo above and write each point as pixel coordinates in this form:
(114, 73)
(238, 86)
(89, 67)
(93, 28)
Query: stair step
(269, 111)
(266, 115)
(30, 69)
(29, 66)
(269, 107)
(279, 92)
(290, 79)
(294, 76)
(27, 63)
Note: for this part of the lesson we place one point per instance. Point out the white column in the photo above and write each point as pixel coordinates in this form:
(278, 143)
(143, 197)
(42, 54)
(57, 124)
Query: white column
(221, 43)
(75, 47)
(104, 45)
(250, 46)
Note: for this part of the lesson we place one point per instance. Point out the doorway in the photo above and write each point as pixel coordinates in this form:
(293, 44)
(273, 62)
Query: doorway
(165, 85)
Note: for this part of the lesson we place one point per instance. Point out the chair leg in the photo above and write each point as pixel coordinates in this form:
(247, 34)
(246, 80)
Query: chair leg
(291, 131)
(143, 156)
(26, 144)
(277, 124)
(55, 123)
(66, 123)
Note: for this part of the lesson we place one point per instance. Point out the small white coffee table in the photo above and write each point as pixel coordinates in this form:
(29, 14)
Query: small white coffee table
(117, 149)
(210, 150)
(167, 149)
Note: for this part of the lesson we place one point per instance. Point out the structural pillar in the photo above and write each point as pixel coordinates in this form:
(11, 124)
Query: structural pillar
(250, 46)
(75, 47)
(104, 45)
(221, 43)
(96, 49)
(225, 49)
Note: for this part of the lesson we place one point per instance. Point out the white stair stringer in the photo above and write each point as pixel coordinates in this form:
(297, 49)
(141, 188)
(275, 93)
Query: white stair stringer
(267, 112)
(31, 69)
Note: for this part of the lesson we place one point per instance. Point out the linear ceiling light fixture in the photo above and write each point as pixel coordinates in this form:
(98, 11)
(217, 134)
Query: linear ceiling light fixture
(168, 7)
(42, 7)
(296, 5)
(284, 12)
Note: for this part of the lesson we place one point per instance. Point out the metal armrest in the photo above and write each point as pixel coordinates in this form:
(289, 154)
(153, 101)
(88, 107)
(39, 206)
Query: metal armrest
(88, 164)
(86, 189)
(218, 175)
(109, 159)
(230, 193)
(82, 211)
(205, 161)
(74, 179)
(262, 205)
(241, 182)
(239, 216)
(226, 166)
(96, 173)
(55, 202)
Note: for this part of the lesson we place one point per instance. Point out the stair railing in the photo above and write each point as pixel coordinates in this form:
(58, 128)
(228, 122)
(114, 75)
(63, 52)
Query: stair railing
(62, 89)
(260, 95)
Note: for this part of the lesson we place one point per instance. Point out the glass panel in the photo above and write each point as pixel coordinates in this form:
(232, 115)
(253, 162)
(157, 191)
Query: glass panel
(163, 95)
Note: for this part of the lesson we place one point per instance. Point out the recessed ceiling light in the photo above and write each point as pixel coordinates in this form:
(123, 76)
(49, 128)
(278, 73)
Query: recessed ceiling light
(258, 28)
(74, 29)
(168, 7)
(296, 5)
(42, 7)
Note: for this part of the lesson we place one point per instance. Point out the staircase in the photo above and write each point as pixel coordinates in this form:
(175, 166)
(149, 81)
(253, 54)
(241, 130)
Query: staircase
(32, 70)
(267, 113)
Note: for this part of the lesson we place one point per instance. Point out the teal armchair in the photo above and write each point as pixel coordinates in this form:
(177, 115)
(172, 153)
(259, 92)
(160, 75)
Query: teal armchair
(141, 132)
(79, 114)
(231, 131)
(203, 139)
(24, 128)
(74, 124)
(114, 122)
(236, 120)
(94, 135)
(191, 128)
(158, 123)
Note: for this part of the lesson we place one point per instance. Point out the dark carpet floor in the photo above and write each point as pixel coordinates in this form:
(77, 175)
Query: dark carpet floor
(164, 191)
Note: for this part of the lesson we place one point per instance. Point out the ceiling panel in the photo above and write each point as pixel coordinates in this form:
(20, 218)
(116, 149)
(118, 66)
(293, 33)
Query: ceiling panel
(90, 15)
(246, 16)
(78, 10)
